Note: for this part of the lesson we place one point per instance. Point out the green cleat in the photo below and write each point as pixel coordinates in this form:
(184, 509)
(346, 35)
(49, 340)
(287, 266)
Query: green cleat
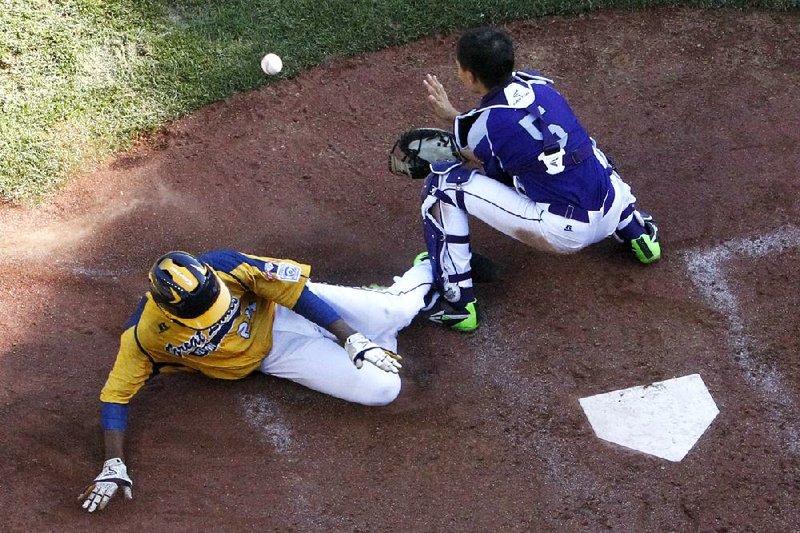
(463, 319)
(646, 247)
(422, 256)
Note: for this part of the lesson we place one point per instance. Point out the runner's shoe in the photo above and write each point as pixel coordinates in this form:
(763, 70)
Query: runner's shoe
(375, 287)
(422, 256)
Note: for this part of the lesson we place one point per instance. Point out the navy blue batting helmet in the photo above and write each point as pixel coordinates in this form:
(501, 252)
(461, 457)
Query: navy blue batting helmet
(188, 290)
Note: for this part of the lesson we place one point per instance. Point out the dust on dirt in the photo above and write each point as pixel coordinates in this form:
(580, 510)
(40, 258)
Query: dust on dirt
(700, 110)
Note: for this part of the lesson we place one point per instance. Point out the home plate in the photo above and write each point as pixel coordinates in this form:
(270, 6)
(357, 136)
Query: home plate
(664, 419)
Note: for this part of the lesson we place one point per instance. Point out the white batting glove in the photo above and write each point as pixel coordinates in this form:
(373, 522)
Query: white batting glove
(113, 476)
(361, 349)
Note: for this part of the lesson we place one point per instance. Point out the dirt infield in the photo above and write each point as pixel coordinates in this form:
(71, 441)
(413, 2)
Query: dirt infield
(700, 110)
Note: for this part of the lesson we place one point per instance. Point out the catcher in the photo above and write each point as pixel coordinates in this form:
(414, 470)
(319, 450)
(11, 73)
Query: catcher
(522, 163)
(227, 314)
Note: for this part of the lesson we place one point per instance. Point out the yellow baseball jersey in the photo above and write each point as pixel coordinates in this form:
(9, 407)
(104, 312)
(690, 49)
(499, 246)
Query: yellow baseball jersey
(230, 349)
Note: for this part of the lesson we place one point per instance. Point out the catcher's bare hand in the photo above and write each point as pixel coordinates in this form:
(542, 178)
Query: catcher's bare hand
(361, 349)
(437, 97)
(113, 476)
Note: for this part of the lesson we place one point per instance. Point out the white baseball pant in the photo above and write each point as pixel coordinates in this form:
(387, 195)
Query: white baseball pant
(516, 215)
(310, 355)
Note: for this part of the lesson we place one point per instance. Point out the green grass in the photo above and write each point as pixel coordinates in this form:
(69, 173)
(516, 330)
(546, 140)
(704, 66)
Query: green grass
(81, 79)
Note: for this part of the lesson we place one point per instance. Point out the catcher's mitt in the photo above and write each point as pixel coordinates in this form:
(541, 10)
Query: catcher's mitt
(416, 149)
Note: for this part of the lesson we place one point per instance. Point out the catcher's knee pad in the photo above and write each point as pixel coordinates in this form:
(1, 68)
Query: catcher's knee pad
(455, 174)
(430, 185)
(445, 173)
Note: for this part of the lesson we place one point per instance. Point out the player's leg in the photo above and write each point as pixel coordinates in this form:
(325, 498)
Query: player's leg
(502, 208)
(634, 227)
(309, 355)
(450, 194)
(380, 313)
(447, 240)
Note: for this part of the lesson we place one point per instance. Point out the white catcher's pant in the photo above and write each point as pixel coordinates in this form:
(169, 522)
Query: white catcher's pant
(310, 355)
(516, 215)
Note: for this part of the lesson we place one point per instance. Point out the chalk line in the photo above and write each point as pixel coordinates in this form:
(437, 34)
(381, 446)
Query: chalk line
(304, 498)
(707, 271)
(261, 413)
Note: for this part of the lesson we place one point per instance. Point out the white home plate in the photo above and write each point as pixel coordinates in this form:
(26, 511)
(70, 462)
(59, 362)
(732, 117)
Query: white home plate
(664, 419)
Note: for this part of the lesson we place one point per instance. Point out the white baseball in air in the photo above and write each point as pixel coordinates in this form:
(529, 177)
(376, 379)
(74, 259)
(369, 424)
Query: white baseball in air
(271, 64)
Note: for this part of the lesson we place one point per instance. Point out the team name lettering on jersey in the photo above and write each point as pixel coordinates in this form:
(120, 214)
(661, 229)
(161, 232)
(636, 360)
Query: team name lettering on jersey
(244, 327)
(203, 343)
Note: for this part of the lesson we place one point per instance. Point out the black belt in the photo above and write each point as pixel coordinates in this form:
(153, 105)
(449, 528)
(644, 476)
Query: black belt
(574, 212)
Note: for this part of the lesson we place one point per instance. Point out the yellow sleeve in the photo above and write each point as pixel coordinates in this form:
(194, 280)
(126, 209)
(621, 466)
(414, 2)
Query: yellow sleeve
(277, 280)
(131, 370)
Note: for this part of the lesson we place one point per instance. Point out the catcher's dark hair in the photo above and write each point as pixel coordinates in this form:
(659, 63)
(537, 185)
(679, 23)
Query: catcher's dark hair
(488, 53)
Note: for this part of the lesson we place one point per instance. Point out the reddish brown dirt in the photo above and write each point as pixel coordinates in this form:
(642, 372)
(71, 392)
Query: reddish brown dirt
(701, 111)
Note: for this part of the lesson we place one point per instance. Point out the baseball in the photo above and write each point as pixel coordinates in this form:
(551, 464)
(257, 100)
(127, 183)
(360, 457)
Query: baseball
(271, 64)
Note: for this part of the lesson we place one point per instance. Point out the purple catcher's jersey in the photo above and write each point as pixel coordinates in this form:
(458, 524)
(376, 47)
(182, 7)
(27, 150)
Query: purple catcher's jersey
(506, 134)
